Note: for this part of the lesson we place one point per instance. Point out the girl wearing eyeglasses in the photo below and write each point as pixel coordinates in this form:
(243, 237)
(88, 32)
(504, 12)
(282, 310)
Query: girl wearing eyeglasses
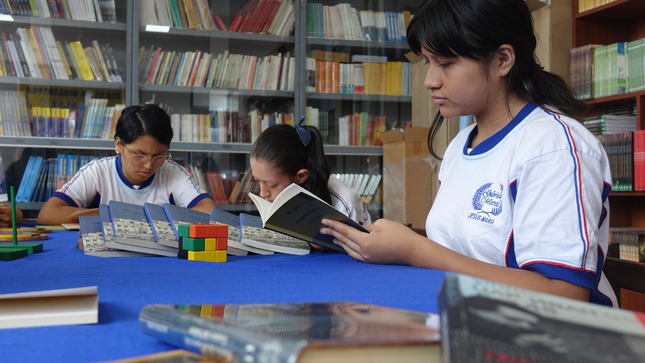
(142, 171)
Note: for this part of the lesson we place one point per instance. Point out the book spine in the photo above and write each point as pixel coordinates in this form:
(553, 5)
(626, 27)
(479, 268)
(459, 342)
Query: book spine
(212, 338)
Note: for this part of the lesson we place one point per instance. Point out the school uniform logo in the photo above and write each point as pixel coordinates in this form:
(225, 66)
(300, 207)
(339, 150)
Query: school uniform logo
(487, 203)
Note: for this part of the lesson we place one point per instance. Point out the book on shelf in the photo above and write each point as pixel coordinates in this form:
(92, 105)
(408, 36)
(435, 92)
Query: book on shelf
(610, 124)
(339, 331)
(488, 321)
(179, 215)
(639, 160)
(161, 227)
(253, 234)
(630, 242)
(132, 231)
(620, 152)
(71, 306)
(91, 240)
(298, 212)
(78, 53)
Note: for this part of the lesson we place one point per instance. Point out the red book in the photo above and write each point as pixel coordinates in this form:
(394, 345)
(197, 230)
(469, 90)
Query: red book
(153, 64)
(219, 23)
(240, 16)
(193, 72)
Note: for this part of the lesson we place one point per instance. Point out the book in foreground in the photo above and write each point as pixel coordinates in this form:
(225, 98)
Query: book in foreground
(485, 321)
(50, 307)
(298, 212)
(298, 332)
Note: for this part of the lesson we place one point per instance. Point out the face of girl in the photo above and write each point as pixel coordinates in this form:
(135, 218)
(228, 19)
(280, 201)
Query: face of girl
(141, 158)
(458, 85)
(271, 179)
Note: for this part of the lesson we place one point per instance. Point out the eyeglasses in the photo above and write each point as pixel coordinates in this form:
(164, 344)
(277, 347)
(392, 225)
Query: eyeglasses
(139, 160)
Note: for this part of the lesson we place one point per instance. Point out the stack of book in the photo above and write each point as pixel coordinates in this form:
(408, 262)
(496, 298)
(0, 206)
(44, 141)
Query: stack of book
(630, 242)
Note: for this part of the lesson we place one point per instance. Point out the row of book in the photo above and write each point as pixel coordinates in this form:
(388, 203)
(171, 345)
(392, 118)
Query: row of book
(88, 10)
(226, 126)
(125, 229)
(226, 70)
(14, 114)
(370, 77)
(626, 153)
(275, 17)
(365, 185)
(630, 242)
(95, 119)
(43, 176)
(356, 129)
(607, 70)
(35, 52)
(343, 21)
(584, 5)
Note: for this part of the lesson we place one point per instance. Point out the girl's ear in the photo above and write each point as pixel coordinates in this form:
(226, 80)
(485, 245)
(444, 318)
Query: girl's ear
(118, 145)
(506, 59)
(301, 176)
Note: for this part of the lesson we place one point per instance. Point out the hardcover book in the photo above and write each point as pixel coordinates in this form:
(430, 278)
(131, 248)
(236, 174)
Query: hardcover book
(297, 212)
(179, 215)
(51, 307)
(132, 231)
(298, 332)
(161, 227)
(255, 235)
(484, 321)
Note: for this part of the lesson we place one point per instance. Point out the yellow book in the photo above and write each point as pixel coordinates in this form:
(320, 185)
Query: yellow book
(61, 52)
(81, 60)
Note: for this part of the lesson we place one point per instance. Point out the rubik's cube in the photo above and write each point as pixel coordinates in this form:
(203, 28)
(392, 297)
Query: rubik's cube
(203, 242)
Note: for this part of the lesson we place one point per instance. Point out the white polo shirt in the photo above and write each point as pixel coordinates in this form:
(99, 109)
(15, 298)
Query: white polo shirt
(532, 196)
(102, 180)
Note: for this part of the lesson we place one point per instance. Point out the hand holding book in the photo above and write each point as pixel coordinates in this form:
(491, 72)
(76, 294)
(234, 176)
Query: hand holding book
(298, 213)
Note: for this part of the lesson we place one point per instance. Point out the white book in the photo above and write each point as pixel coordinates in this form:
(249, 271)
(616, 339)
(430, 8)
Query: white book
(49, 307)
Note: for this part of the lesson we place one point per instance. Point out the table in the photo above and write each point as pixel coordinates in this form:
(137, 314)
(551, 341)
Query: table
(126, 285)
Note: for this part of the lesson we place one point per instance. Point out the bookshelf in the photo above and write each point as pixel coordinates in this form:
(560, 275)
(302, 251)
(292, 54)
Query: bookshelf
(611, 22)
(132, 34)
(615, 21)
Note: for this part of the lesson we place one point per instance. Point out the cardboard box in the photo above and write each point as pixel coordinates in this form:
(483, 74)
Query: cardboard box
(409, 173)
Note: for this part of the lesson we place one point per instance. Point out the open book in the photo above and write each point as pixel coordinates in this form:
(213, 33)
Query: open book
(297, 212)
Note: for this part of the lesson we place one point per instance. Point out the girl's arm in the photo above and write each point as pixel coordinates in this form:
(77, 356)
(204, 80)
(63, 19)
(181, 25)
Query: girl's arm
(392, 243)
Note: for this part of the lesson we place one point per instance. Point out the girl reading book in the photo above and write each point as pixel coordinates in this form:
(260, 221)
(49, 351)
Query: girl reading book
(142, 171)
(285, 154)
(524, 191)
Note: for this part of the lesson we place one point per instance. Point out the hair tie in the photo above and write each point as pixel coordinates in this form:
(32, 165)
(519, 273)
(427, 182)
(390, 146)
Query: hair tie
(303, 133)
